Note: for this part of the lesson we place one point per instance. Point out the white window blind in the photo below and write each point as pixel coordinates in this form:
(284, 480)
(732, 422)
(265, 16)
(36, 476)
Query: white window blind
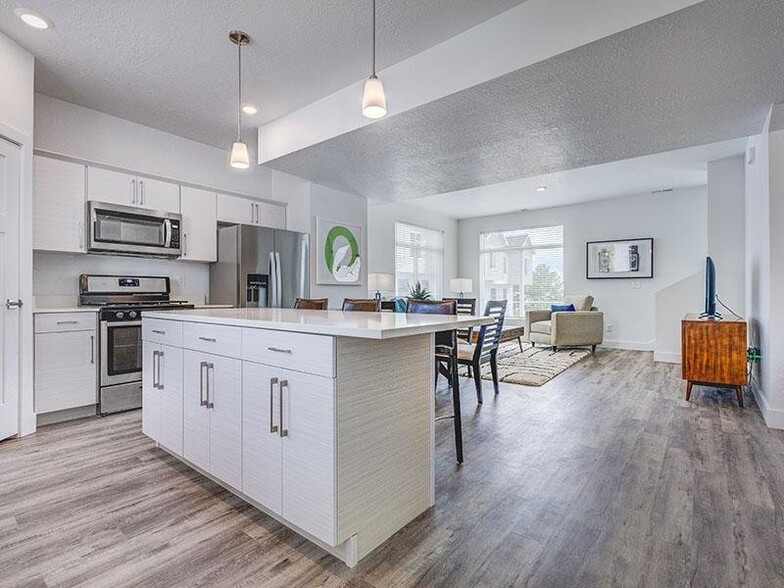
(419, 257)
(524, 267)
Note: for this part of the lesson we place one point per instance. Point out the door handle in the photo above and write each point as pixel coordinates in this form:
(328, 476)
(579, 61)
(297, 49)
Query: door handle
(278, 280)
(210, 403)
(160, 370)
(9, 304)
(273, 381)
(92, 349)
(202, 402)
(167, 233)
(281, 385)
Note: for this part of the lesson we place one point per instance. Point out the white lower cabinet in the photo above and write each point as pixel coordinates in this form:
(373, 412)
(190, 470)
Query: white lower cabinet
(162, 396)
(288, 455)
(66, 354)
(213, 415)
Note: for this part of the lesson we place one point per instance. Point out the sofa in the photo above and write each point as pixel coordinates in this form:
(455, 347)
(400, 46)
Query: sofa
(583, 326)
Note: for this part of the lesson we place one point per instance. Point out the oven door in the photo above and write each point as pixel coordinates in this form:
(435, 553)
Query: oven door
(121, 352)
(133, 231)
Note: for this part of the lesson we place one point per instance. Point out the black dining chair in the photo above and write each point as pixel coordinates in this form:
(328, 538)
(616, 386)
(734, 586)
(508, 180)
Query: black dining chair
(485, 349)
(362, 304)
(446, 357)
(465, 306)
(311, 303)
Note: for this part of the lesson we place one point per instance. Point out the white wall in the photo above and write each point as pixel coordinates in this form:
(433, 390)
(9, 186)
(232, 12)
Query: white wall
(16, 123)
(678, 223)
(381, 236)
(727, 231)
(337, 206)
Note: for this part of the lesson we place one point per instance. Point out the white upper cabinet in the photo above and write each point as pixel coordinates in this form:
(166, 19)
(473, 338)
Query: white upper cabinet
(199, 225)
(58, 205)
(242, 211)
(125, 189)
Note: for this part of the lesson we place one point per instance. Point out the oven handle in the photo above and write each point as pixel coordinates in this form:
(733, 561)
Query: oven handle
(122, 323)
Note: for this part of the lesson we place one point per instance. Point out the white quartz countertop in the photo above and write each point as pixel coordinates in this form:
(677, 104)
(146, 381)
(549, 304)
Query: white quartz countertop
(365, 325)
(66, 309)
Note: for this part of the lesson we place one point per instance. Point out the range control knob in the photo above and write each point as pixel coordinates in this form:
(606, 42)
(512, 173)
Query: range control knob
(132, 314)
(119, 314)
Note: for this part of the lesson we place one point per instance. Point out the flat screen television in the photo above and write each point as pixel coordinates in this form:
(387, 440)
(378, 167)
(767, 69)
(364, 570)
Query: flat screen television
(710, 289)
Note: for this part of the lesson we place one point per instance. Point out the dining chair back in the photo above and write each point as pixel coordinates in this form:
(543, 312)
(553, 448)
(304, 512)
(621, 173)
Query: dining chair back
(311, 303)
(466, 306)
(486, 347)
(362, 304)
(490, 335)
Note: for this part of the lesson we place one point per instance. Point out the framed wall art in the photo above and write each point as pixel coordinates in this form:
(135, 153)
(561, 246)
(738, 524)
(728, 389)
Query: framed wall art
(619, 259)
(338, 259)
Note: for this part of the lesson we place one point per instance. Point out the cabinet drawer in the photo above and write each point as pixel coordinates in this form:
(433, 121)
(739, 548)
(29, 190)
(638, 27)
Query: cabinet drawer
(65, 321)
(217, 339)
(313, 354)
(162, 331)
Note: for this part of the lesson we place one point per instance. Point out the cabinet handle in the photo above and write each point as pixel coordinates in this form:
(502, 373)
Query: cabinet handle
(252, 213)
(160, 370)
(210, 403)
(158, 332)
(81, 235)
(154, 373)
(184, 244)
(92, 349)
(273, 381)
(141, 192)
(203, 365)
(67, 322)
(283, 384)
(279, 350)
(258, 220)
(133, 190)
(208, 339)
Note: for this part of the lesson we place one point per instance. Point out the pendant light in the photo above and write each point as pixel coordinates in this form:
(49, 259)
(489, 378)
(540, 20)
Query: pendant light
(374, 102)
(239, 150)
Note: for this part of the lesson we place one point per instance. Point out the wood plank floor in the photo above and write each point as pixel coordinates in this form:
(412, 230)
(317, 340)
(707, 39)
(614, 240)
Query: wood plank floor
(603, 477)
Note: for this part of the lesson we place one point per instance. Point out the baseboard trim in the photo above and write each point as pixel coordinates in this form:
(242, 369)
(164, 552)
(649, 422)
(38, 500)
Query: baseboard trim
(629, 345)
(666, 357)
(774, 418)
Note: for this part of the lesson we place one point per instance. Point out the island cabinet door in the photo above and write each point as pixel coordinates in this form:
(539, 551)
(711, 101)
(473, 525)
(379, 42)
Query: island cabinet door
(224, 402)
(261, 451)
(151, 397)
(169, 372)
(308, 452)
(196, 415)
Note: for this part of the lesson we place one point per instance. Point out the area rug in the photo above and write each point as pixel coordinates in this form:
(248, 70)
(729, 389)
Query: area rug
(533, 366)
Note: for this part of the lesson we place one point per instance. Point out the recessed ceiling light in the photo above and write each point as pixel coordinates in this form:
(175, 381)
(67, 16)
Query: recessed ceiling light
(541, 188)
(249, 109)
(33, 19)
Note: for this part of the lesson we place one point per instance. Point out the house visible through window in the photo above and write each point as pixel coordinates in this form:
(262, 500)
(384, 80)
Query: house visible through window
(419, 257)
(524, 267)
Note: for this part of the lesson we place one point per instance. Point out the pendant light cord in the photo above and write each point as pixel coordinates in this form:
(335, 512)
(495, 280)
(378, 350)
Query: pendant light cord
(239, 91)
(373, 48)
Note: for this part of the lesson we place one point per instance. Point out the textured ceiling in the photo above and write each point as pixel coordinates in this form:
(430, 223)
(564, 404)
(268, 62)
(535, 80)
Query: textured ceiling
(169, 64)
(705, 74)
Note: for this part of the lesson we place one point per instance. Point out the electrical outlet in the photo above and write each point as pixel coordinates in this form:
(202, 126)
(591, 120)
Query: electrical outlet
(608, 328)
(636, 285)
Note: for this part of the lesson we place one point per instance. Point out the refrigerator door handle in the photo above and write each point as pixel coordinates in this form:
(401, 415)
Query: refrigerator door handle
(273, 284)
(278, 281)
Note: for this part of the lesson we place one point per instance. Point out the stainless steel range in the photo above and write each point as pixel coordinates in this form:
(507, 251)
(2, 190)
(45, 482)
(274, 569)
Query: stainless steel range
(123, 299)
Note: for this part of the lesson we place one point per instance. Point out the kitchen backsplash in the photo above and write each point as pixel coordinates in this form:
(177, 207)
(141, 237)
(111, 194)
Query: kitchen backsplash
(56, 276)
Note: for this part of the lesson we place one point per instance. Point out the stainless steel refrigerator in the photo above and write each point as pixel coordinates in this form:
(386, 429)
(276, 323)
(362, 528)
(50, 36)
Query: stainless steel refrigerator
(260, 267)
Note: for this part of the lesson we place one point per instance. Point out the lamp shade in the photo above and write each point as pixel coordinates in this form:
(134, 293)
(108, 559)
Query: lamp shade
(239, 155)
(374, 102)
(461, 285)
(381, 282)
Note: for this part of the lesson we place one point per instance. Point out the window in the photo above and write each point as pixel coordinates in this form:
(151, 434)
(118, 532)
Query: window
(522, 266)
(419, 256)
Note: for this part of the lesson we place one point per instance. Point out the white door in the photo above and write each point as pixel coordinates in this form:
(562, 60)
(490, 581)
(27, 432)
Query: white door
(58, 205)
(261, 434)
(308, 453)
(271, 215)
(170, 388)
(196, 415)
(224, 393)
(65, 370)
(113, 187)
(199, 225)
(158, 195)
(151, 396)
(240, 211)
(10, 166)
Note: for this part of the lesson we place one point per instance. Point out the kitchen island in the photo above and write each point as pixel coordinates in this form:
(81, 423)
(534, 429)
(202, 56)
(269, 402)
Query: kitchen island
(322, 419)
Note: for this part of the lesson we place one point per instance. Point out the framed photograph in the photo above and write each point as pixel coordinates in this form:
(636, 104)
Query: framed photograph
(338, 255)
(619, 259)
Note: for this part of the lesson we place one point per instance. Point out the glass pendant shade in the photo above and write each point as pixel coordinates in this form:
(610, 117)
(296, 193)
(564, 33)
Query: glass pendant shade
(374, 102)
(239, 155)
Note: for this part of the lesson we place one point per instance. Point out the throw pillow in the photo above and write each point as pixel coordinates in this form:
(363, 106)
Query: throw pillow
(562, 308)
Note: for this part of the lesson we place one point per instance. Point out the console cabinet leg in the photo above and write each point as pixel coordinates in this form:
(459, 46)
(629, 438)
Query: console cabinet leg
(739, 394)
(689, 384)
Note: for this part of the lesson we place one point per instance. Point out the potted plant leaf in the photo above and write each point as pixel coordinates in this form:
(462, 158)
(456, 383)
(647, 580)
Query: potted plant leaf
(419, 292)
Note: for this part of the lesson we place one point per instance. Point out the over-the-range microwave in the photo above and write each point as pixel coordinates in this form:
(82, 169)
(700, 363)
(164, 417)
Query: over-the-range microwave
(126, 230)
